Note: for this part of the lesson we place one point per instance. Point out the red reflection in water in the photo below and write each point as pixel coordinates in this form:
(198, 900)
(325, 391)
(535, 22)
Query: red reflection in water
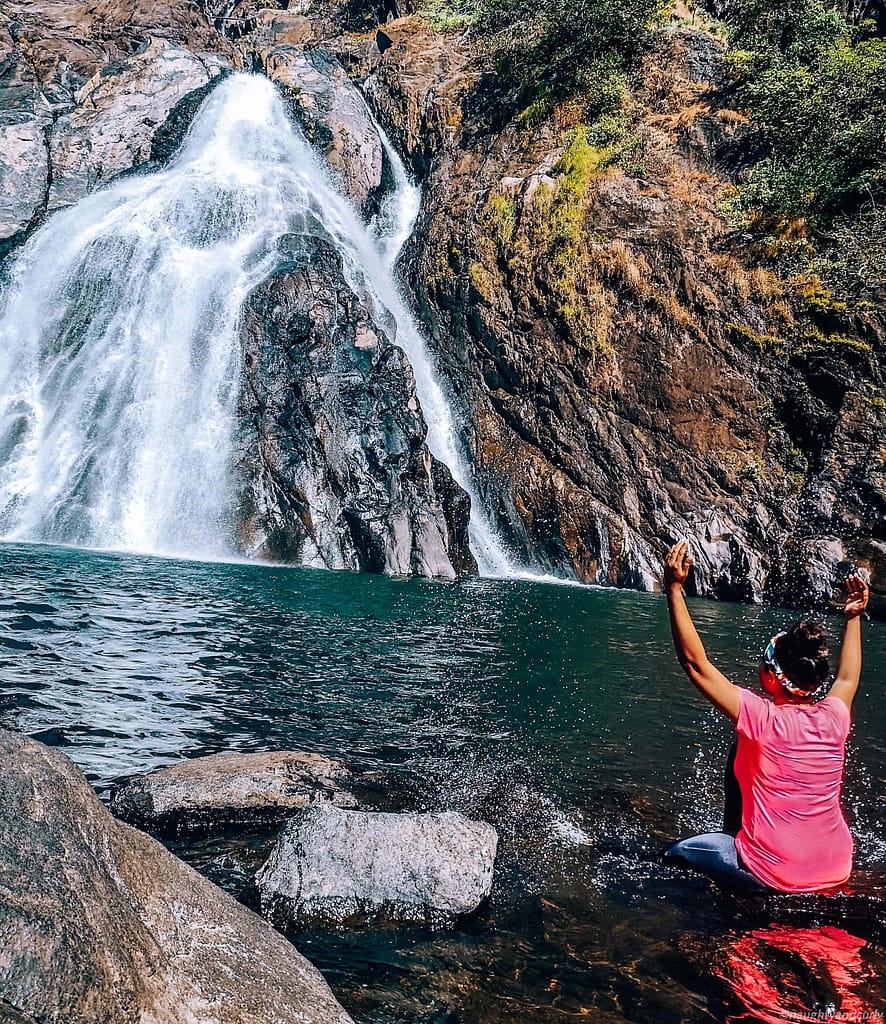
(784, 975)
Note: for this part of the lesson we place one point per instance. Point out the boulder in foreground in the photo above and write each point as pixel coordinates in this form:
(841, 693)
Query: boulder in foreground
(231, 788)
(99, 924)
(335, 866)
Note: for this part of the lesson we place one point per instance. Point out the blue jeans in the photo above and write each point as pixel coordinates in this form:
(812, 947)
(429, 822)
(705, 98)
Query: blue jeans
(714, 854)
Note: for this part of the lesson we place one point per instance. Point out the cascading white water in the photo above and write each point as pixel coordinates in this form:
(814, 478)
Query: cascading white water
(394, 227)
(119, 335)
(119, 347)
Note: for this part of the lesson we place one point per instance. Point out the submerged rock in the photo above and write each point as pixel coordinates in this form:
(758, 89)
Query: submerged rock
(99, 924)
(332, 865)
(331, 452)
(231, 788)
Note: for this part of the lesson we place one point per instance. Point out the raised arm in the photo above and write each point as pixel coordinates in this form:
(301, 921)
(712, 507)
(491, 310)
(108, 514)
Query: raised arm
(687, 643)
(849, 669)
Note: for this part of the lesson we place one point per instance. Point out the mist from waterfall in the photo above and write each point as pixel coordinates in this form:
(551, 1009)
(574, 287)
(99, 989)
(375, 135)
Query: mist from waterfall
(120, 354)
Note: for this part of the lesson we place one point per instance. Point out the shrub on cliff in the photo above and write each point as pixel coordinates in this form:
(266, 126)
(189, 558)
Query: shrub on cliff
(556, 48)
(814, 83)
(549, 50)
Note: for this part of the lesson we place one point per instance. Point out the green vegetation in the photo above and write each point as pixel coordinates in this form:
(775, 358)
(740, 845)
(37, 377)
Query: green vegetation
(814, 84)
(814, 340)
(811, 74)
(551, 50)
(449, 15)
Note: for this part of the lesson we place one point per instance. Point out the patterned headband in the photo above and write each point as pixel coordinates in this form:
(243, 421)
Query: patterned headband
(771, 662)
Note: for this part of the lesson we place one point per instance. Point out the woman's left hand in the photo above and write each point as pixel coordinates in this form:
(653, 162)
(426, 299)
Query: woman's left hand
(677, 564)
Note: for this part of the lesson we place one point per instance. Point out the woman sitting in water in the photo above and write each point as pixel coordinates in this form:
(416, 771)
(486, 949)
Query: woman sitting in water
(792, 836)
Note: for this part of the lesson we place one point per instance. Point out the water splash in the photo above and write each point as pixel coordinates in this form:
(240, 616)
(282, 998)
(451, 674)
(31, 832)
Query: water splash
(119, 335)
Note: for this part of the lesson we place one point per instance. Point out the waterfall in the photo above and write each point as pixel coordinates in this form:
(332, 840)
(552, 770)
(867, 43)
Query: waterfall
(394, 226)
(119, 335)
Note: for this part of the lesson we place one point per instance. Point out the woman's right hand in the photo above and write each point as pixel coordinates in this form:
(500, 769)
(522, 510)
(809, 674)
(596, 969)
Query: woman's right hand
(677, 564)
(857, 594)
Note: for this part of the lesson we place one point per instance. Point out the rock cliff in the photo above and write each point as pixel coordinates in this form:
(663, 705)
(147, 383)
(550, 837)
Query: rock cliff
(83, 90)
(628, 369)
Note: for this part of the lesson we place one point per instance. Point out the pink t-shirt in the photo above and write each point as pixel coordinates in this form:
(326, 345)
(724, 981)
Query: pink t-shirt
(789, 767)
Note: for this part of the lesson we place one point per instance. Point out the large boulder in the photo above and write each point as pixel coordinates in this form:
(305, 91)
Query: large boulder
(99, 924)
(334, 117)
(331, 865)
(231, 788)
(118, 112)
(331, 452)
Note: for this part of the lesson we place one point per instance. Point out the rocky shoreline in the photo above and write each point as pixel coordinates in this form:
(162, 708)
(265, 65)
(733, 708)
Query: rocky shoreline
(102, 924)
(699, 395)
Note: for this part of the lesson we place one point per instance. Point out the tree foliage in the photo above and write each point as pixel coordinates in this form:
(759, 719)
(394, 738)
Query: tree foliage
(557, 48)
(549, 50)
(814, 83)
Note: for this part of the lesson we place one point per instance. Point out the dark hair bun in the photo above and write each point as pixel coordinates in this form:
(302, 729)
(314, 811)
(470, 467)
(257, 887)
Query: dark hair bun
(803, 654)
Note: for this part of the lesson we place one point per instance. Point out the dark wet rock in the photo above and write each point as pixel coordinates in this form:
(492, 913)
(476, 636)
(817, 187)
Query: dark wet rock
(51, 737)
(333, 866)
(99, 924)
(331, 451)
(334, 117)
(231, 788)
(807, 571)
(214, 8)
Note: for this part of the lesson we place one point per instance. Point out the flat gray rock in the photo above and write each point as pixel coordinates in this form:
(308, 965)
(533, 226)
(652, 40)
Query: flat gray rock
(331, 865)
(99, 924)
(228, 788)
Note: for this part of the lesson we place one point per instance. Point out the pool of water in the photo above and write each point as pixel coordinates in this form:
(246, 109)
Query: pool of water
(557, 713)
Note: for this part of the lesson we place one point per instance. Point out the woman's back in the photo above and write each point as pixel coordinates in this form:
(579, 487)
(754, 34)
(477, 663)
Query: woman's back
(789, 766)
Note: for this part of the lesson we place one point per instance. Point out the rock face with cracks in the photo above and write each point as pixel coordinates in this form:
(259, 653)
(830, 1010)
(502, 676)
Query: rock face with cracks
(334, 117)
(99, 924)
(627, 368)
(333, 466)
(332, 865)
(231, 788)
(83, 90)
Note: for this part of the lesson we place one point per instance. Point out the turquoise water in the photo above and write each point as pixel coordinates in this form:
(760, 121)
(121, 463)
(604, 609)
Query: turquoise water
(558, 713)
